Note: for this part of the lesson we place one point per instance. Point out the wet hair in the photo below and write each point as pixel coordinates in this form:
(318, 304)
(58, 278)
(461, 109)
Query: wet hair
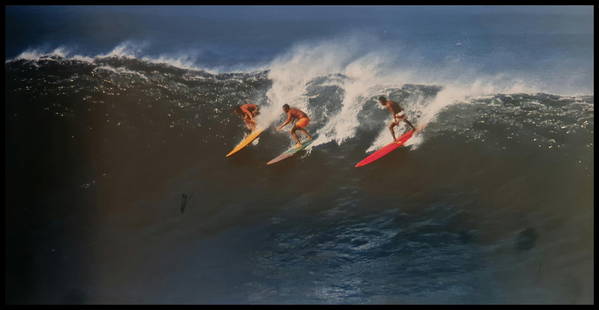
(382, 98)
(285, 106)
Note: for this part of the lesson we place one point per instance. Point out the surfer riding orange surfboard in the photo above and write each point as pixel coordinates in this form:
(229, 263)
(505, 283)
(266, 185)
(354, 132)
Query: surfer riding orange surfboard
(302, 120)
(247, 111)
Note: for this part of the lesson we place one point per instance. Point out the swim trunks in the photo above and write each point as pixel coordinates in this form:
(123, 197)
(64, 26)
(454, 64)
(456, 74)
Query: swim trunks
(302, 122)
(398, 117)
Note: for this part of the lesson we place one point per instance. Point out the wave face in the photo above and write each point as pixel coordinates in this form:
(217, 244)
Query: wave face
(117, 165)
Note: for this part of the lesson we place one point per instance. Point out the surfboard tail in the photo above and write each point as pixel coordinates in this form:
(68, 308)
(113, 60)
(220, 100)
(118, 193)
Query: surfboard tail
(290, 152)
(246, 141)
(385, 150)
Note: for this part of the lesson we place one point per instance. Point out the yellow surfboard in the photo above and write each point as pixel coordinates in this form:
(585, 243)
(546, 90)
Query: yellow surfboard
(246, 141)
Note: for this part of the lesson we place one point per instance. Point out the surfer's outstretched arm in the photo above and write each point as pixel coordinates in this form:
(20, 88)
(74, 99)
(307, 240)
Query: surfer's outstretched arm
(286, 122)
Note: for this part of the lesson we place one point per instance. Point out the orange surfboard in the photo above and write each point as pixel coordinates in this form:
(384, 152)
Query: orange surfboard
(246, 141)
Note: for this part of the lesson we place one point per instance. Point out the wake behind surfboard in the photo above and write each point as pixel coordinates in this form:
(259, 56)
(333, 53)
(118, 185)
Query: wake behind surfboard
(385, 150)
(291, 151)
(246, 141)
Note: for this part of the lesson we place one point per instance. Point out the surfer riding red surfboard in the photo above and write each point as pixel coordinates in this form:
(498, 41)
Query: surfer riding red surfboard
(397, 113)
(302, 120)
(247, 111)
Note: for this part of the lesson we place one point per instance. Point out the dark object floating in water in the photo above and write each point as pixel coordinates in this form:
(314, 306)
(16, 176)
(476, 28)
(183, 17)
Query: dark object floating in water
(184, 202)
(465, 236)
(526, 239)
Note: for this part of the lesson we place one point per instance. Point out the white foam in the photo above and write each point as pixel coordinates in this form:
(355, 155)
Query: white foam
(371, 72)
(351, 56)
(292, 71)
(82, 58)
(37, 54)
(120, 70)
(127, 49)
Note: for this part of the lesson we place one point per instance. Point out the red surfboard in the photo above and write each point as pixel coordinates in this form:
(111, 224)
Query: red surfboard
(386, 149)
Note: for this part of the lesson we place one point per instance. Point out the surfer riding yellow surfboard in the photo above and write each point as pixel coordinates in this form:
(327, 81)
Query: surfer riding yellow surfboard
(247, 111)
(302, 120)
(397, 113)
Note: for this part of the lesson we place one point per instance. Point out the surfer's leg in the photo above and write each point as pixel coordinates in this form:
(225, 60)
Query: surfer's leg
(406, 120)
(306, 132)
(247, 123)
(393, 124)
(294, 136)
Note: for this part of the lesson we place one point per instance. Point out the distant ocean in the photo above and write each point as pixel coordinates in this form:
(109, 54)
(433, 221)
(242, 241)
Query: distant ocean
(118, 120)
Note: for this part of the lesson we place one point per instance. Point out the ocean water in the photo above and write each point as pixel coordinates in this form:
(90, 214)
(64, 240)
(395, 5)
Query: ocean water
(118, 120)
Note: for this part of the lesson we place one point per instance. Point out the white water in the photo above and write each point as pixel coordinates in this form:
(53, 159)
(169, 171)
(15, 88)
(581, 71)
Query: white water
(129, 50)
(370, 72)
